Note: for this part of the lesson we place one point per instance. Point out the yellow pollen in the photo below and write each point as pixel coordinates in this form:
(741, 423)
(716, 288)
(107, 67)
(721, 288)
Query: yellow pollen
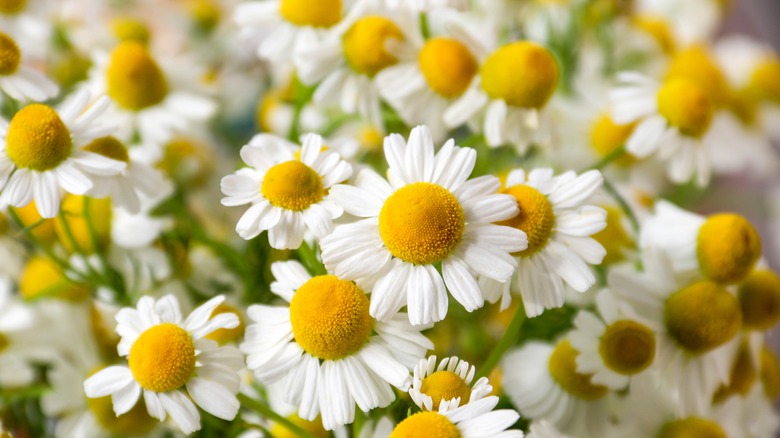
(370, 138)
(133, 79)
(316, 13)
(764, 80)
(162, 358)
(702, 317)
(536, 217)
(223, 335)
(426, 425)
(443, 386)
(614, 237)
(12, 7)
(205, 13)
(658, 29)
(696, 65)
(42, 277)
(10, 55)
(421, 223)
(691, 427)
(130, 29)
(330, 317)
(73, 225)
(108, 147)
(315, 428)
(759, 299)
(523, 74)
(606, 136)
(770, 373)
(364, 44)
(292, 185)
(685, 106)
(187, 161)
(627, 347)
(743, 376)
(563, 369)
(727, 247)
(37, 139)
(448, 66)
(42, 229)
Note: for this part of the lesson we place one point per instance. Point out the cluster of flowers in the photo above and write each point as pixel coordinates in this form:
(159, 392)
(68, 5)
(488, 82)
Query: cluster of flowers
(497, 183)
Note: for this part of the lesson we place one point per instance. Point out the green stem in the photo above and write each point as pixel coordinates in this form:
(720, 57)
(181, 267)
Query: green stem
(425, 28)
(37, 242)
(510, 337)
(606, 160)
(623, 205)
(310, 260)
(267, 412)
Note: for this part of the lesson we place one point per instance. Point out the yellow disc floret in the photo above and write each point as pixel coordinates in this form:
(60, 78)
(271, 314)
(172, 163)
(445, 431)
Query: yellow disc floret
(188, 161)
(421, 223)
(448, 66)
(727, 247)
(563, 369)
(130, 29)
(42, 277)
(365, 44)
(292, 185)
(691, 427)
(606, 136)
(764, 80)
(10, 55)
(627, 347)
(163, 358)
(536, 217)
(314, 428)
(108, 147)
(37, 139)
(330, 318)
(523, 74)
(225, 335)
(316, 13)
(426, 425)
(759, 299)
(445, 385)
(658, 29)
(11, 7)
(696, 65)
(685, 106)
(702, 317)
(770, 373)
(133, 79)
(743, 375)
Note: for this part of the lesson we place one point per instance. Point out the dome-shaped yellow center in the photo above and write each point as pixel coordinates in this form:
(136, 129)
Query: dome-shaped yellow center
(330, 317)
(292, 185)
(315, 428)
(130, 29)
(162, 358)
(133, 79)
(188, 161)
(448, 66)
(85, 225)
(743, 375)
(316, 13)
(727, 247)
(421, 223)
(536, 217)
(696, 65)
(764, 80)
(11, 7)
(37, 139)
(563, 369)
(685, 106)
(770, 373)
(658, 29)
(759, 299)
(365, 44)
(108, 147)
(606, 136)
(225, 335)
(627, 347)
(523, 74)
(10, 55)
(445, 385)
(135, 422)
(426, 425)
(41, 277)
(206, 14)
(691, 427)
(702, 317)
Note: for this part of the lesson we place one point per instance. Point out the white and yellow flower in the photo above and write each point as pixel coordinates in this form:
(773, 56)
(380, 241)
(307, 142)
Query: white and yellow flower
(18, 80)
(449, 384)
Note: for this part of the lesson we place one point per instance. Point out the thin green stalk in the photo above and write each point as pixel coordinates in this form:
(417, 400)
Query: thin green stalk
(267, 412)
(510, 337)
(310, 260)
(623, 205)
(606, 160)
(425, 28)
(37, 242)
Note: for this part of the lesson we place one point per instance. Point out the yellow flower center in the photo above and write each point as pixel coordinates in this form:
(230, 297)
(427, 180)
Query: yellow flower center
(205, 13)
(759, 299)
(187, 161)
(313, 427)
(317, 13)
(162, 358)
(696, 65)
(4, 342)
(330, 317)
(727, 247)
(627, 347)
(614, 237)
(523, 74)
(421, 223)
(445, 385)
(702, 317)
(69, 67)
(85, 224)
(10, 55)
(109, 147)
(37, 139)
(536, 217)
(606, 136)
(224, 335)
(292, 185)
(563, 369)
(691, 427)
(658, 29)
(130, 29)
(764, 80)
(448, 66)
(744, 105)
(364, 44)
(133, 79)
(426, 425)
(135, 422)
(685, 106)
(743, 376)
(11, 7)
(770, 373)
(42, 277)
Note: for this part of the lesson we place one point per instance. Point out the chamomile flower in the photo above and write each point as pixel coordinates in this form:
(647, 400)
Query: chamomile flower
(473, 420)
(40, 153)
(558, 222)
(428, 213)
(287, 187)
(19, 81)
(166, 355)
(449, 384)
(16, 350)
(328, 349)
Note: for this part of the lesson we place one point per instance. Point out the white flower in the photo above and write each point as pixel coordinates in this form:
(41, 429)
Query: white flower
(19, 81)
(432, 385)
(17, 324)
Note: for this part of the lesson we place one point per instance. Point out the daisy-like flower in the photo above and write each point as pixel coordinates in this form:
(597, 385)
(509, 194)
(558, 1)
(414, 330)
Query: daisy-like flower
(40, 153)
(448, 384)
(558, 223)
(613, 347)
(19, 81)
(328, 349)
(473, 420)
(288, 188)
(428, 213)
(171, 363)
(16, 325)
